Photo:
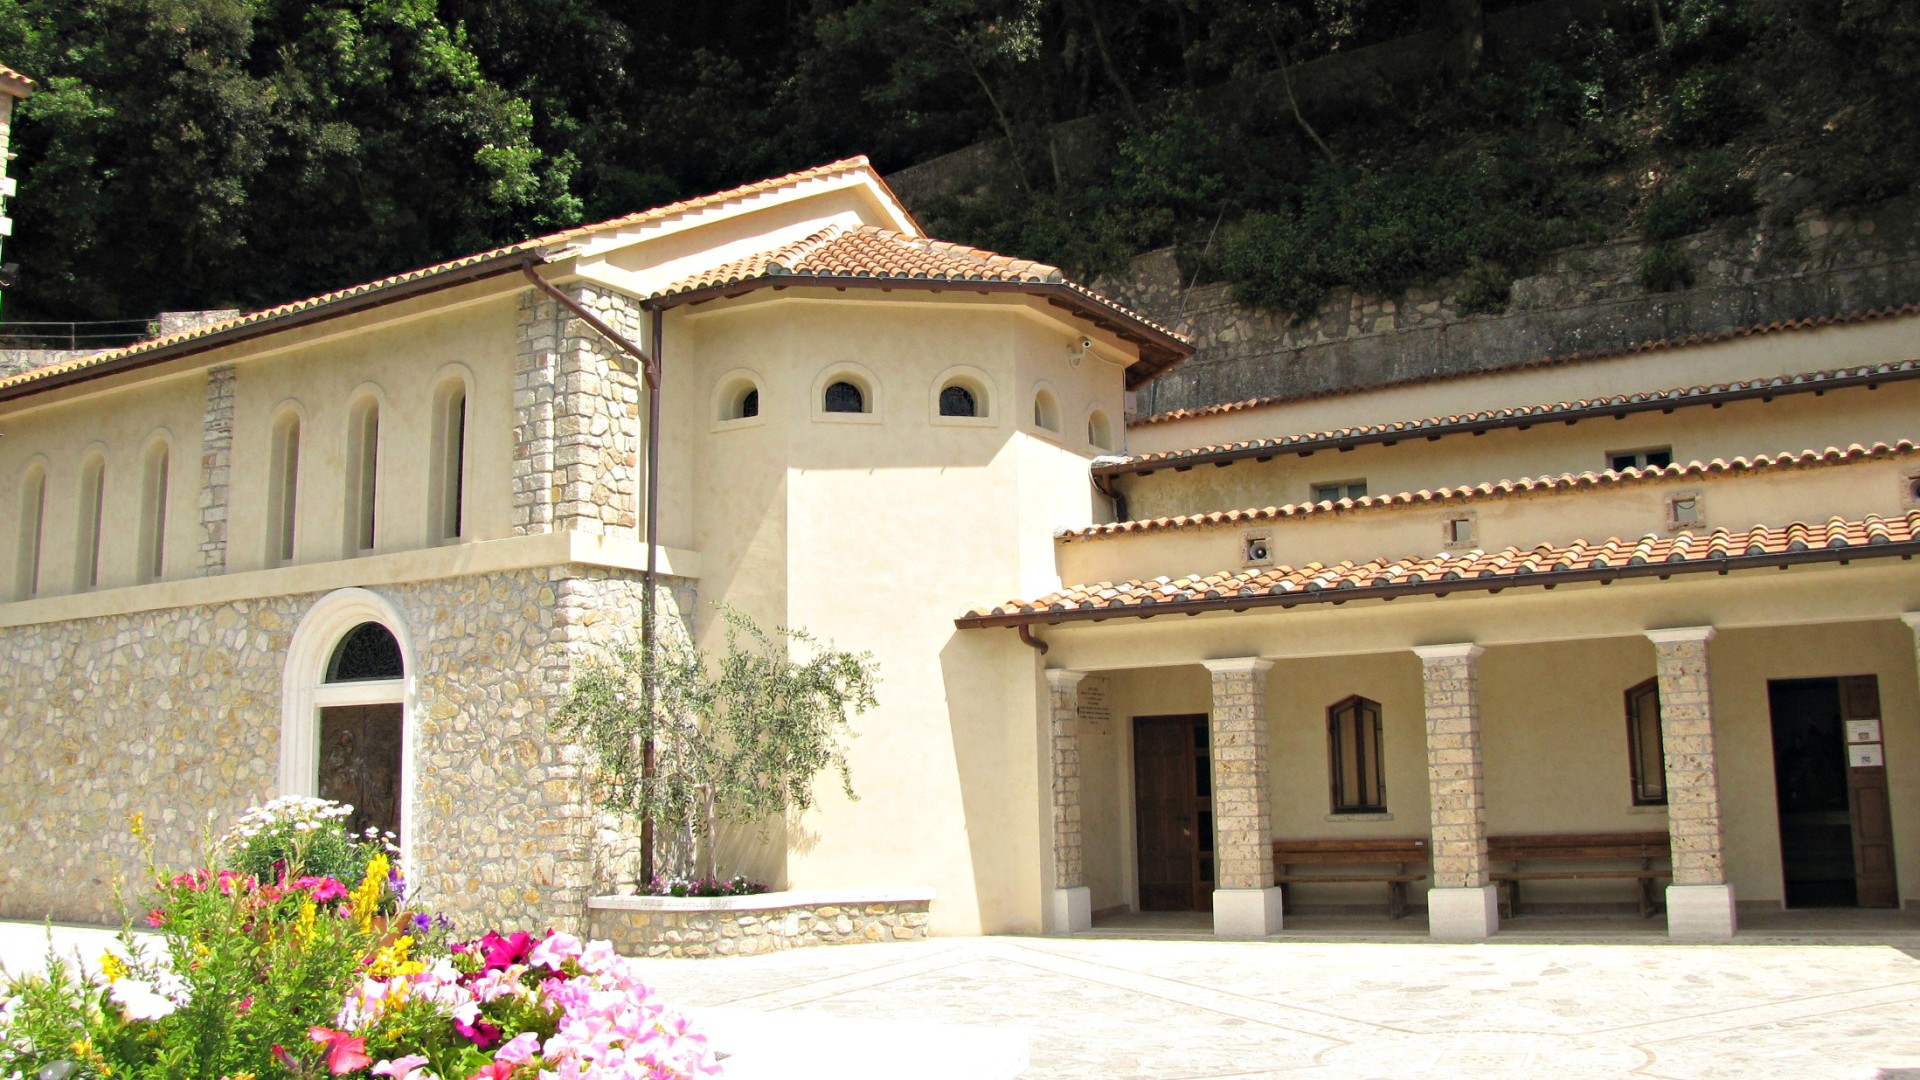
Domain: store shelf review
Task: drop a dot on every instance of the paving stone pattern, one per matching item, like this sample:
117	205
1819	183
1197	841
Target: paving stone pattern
748	933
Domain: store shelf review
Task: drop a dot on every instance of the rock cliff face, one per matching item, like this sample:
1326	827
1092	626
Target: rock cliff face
1586	299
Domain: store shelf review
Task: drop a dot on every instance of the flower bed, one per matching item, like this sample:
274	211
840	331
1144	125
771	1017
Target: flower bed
768	922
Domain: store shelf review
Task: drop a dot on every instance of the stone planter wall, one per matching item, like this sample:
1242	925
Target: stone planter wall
748	925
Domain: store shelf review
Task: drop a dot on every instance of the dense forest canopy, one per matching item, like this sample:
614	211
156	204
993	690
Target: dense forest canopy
204	153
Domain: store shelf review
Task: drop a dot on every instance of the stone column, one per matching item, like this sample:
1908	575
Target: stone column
1699	902
1072	903
1463	904
216	469
1246	903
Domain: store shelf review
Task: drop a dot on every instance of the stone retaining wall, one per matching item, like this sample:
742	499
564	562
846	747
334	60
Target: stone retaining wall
749	925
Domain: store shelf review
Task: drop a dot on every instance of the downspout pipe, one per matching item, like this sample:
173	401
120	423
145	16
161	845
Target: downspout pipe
649	365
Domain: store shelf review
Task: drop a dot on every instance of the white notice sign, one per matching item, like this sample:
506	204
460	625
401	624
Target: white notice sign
1865	757
1859	731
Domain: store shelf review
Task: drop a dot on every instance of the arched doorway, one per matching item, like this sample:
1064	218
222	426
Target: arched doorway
347	706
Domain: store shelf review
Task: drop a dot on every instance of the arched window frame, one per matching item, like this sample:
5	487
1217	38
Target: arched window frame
304	691
863	379
975	382
30	550
729	391
1365	791
283	484
89	513
1100	431
1045	410
450	486
156	501
360	506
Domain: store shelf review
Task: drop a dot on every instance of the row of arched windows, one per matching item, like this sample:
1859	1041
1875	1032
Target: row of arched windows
446	476
156	481
962	394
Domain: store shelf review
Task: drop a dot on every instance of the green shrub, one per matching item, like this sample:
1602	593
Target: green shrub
1665	268
295	836
1487	289
1705	108
1695	197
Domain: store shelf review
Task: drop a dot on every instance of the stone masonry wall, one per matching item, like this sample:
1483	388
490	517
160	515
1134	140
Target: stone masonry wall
1585	299
1454	771
1242	806
751	932
176	714
1063	689
1693	778
578	430
216	469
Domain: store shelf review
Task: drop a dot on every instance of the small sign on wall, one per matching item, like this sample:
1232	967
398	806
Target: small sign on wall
1863	731
1865	756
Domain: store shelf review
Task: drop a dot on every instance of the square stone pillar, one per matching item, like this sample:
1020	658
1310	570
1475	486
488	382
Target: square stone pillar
1246	903
1463	904
1699	902
1072	906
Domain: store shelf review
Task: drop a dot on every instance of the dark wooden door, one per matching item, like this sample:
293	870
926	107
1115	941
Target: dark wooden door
1173	812
360	763
1871	812
1810	781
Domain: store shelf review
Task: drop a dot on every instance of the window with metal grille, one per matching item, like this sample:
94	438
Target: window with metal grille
1353	750
367	652
958	401
1646	750
844	397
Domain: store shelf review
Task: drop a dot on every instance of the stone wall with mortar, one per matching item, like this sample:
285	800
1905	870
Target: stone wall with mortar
1585	299
577	403
15	361
176	714
749	931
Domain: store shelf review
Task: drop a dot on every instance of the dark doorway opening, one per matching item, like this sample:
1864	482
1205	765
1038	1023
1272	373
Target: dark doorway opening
360	764
1173	812
1836	824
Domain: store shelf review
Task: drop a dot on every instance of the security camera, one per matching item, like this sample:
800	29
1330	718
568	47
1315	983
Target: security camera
1086	343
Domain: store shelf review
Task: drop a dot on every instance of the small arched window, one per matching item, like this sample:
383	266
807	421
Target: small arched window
33	521
449	480
367	653
957	400
1046	411
750	403
363	475
1354	757
154	482
1099	430
844	397
283	489
93	493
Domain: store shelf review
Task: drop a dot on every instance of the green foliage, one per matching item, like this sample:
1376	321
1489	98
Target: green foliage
296	836
1665	268
1702	192
740	739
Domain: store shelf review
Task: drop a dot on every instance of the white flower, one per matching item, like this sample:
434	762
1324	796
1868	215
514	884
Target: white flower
139	1001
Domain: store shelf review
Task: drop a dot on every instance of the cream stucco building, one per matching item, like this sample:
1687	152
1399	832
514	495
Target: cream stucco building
358	545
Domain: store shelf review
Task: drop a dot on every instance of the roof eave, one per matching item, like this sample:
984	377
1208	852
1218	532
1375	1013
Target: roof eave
1159	350
490	266
1905	549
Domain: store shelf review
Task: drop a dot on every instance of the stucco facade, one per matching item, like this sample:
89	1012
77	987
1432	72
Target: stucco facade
459	457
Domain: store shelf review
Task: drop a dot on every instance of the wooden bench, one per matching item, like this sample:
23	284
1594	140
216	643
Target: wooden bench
1643	849
1402	855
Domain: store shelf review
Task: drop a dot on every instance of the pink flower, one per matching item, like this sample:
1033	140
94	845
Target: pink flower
498	952
519	1049
156	918
554	950
499	1070
401	1068
345	1052
322	889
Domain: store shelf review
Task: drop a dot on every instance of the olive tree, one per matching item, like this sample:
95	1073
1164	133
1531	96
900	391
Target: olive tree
741	736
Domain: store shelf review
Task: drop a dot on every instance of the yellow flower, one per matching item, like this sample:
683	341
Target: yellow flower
393	959
113	967
138	823
366	895
303	924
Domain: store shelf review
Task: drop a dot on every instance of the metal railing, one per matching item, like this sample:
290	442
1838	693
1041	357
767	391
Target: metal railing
75	336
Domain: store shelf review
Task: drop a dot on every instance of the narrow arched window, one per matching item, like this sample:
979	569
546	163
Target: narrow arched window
93	494
844	397
1046	411
33	520
957	400
155	480
750	404
1099	430
283	489
449	481
363	475
1354	757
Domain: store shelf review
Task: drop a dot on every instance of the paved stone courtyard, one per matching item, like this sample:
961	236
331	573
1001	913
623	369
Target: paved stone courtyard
1583	1000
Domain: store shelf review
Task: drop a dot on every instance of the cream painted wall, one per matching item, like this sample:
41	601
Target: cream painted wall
1786	425
1761	356
402	365
61	437
1627	510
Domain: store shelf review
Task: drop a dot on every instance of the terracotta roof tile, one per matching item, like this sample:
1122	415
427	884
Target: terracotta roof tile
16	83
1835	540
1519	416
1500	489
1655	345
531	247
